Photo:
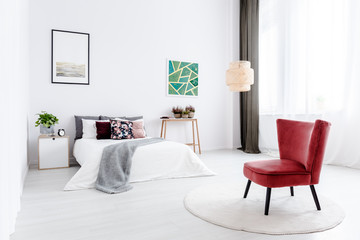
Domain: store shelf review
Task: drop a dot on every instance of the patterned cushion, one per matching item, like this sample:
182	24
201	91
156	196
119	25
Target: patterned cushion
134	119
121	129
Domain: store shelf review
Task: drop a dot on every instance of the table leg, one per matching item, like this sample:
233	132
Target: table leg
165	129
198	138
193	132
162	127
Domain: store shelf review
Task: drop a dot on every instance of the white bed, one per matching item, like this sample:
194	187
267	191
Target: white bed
150	162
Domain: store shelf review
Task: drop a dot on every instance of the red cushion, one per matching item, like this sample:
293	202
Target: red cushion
277	173
103	130
276	167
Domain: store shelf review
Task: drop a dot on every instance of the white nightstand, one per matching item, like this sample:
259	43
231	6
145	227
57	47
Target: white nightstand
53	152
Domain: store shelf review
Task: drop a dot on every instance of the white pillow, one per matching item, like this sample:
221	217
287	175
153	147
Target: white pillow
89	128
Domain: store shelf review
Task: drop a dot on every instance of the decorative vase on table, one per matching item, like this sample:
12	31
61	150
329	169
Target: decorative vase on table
177	111
191	110
185	114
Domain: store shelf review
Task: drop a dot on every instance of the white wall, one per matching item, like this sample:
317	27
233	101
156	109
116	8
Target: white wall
130	42
14	64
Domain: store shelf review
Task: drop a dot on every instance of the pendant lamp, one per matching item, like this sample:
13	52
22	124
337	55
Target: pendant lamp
240	76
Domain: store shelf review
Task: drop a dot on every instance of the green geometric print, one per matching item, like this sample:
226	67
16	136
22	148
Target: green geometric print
183	78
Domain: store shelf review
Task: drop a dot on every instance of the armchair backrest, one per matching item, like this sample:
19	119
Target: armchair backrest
317	147
303	142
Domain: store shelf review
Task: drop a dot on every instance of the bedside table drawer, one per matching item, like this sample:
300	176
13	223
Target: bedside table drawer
53	152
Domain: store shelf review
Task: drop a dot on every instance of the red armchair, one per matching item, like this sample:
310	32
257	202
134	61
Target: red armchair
302	147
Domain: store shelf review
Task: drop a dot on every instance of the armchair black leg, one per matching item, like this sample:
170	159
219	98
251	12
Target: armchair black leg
315	197
292	191
247	188
267	203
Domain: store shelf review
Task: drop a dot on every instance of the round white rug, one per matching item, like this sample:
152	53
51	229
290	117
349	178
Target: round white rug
224	205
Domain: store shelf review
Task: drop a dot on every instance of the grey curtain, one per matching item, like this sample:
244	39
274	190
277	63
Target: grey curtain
249	50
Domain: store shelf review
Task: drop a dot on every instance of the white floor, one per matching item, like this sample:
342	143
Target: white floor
154	210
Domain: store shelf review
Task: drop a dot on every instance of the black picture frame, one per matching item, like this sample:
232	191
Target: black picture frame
77	46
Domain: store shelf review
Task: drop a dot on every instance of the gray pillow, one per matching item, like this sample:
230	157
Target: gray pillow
109	118
79	125
134	118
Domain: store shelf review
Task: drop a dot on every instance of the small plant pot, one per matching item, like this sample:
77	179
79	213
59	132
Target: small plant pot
185	115
177	115
47	130
191	114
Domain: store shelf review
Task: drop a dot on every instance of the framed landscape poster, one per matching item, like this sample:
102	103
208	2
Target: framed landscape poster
182	78
70	57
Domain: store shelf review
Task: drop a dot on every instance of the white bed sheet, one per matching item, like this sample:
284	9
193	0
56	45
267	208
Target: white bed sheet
150	162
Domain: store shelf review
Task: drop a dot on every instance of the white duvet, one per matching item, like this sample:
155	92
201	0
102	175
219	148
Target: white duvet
150	162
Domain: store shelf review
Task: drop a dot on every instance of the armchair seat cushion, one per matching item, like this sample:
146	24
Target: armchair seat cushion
277	173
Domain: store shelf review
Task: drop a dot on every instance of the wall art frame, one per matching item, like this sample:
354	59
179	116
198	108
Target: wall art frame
182	78
70	57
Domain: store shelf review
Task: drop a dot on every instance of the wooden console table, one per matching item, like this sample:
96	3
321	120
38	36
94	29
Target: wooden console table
193	122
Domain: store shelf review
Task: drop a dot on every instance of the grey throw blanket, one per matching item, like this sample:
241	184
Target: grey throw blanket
115	165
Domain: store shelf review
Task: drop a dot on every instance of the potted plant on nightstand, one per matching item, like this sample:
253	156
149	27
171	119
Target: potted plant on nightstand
177	111
46	121
191	110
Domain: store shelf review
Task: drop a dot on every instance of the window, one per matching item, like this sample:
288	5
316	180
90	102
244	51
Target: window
302	52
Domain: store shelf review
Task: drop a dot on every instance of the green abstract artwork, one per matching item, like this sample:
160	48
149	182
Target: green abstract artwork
183	78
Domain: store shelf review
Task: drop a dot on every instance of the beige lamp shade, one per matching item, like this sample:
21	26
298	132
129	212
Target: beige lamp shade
240	76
